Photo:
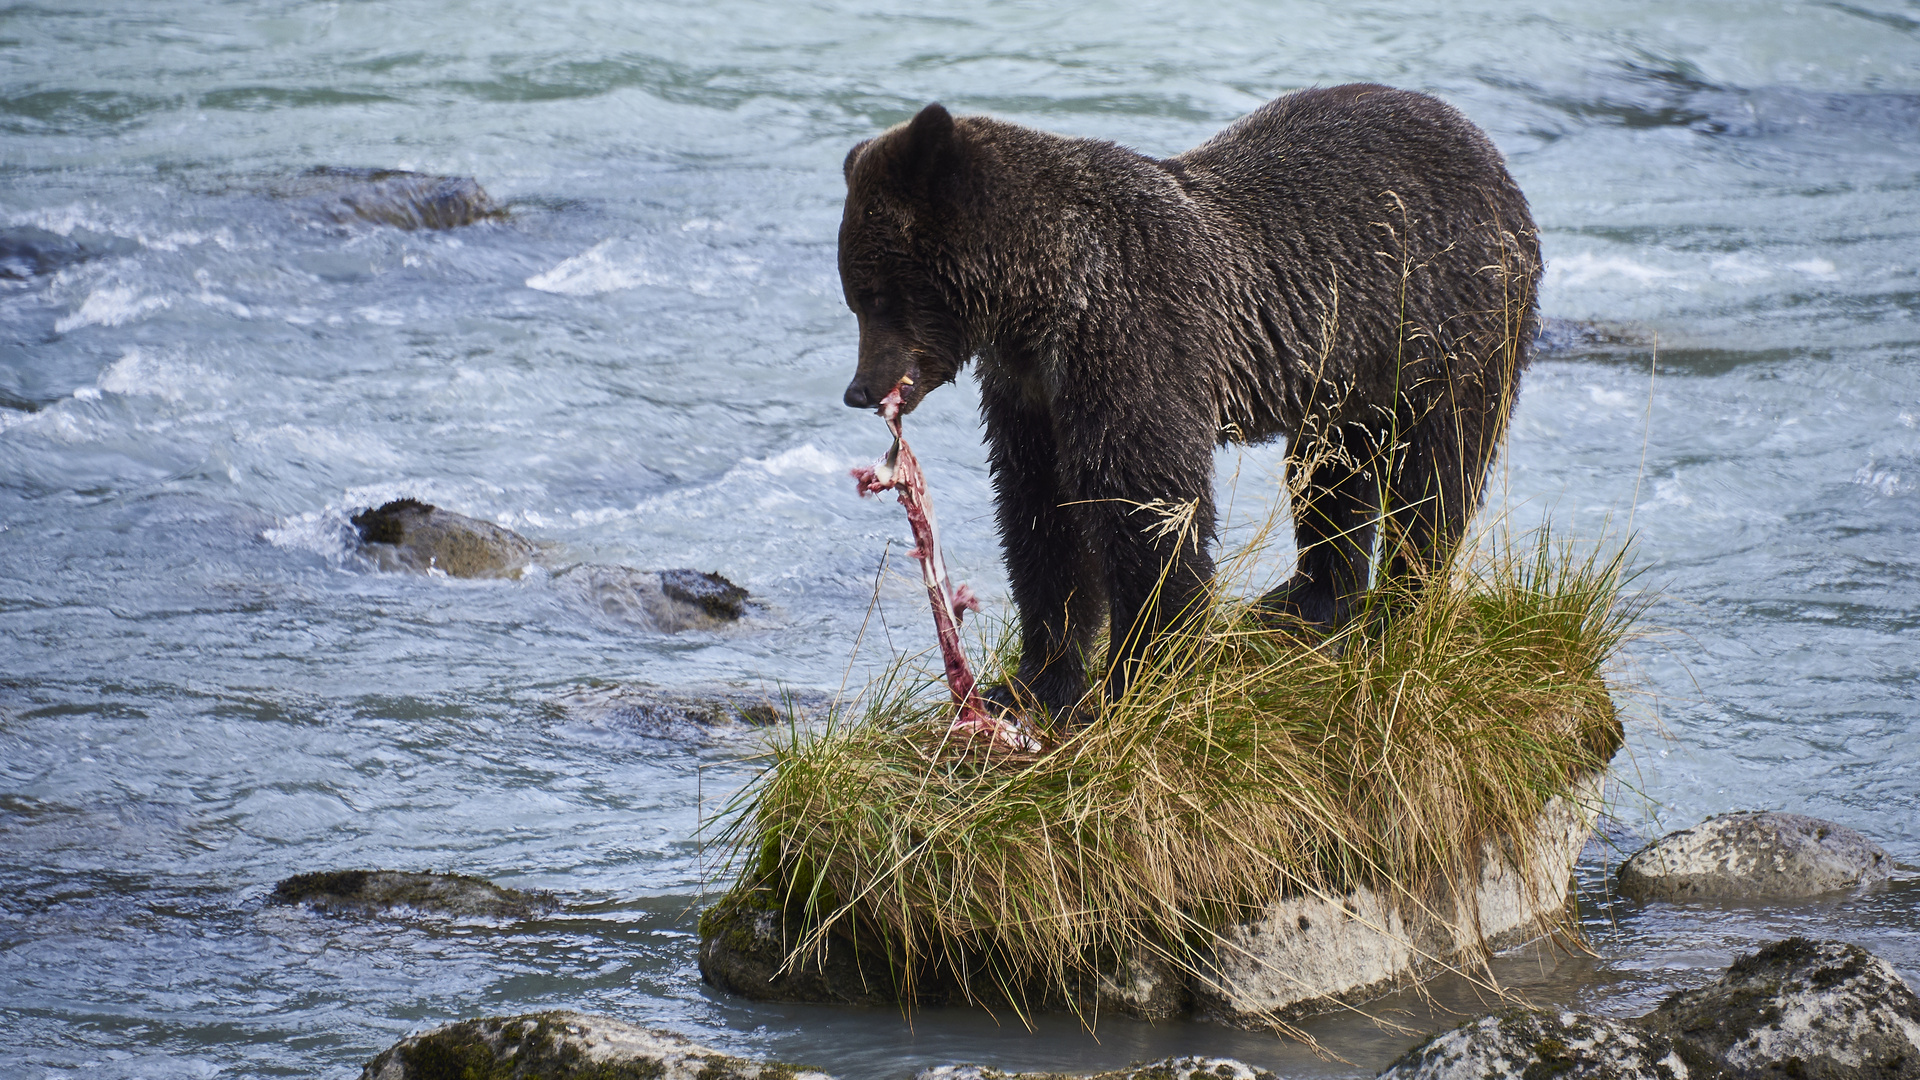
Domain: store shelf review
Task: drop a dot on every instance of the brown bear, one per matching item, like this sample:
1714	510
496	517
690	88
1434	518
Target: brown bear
1352	268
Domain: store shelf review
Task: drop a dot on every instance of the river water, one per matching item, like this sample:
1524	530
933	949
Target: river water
202	690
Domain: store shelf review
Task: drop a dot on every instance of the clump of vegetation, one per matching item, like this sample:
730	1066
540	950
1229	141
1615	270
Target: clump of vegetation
1244	764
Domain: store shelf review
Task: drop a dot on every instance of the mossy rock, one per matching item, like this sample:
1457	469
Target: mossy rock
1537	1044
1809	1010
563	1045
411	536
377	892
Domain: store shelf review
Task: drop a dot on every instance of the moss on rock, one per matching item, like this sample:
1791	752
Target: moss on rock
563	1045
375	892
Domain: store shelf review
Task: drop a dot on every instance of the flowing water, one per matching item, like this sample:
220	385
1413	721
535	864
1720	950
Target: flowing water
204	372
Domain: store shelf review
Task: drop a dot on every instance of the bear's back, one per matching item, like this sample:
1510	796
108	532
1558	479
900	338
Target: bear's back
1301	170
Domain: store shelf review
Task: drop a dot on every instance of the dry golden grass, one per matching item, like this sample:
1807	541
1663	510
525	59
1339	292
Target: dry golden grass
1242	766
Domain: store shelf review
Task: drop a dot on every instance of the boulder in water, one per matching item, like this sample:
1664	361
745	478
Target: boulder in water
564	1045
379	892
1562	337
409	535
666	600
1540	1043
688	713
28	252
719	598
405	200
1810	1010
1753	856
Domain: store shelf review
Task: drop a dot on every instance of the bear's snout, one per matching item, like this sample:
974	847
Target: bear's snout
859	397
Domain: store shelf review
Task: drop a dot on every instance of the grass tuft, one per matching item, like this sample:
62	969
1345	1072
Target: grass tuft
1242	766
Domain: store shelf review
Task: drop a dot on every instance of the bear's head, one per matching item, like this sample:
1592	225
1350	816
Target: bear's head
901	256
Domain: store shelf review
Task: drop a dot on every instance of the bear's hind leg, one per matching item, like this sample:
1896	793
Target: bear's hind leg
1435	488
1335	501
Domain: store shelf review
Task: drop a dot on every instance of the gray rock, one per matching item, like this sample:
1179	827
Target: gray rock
685	713
409	535
1752	856
1809	1010
405	200
1181	1068
562	1044
668	601
28	251
380	892
1562	1045
719	598
1562	337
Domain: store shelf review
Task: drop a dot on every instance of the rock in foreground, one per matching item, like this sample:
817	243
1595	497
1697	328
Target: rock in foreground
1820	1010
1753	856
1534	1043
376	892
563	1046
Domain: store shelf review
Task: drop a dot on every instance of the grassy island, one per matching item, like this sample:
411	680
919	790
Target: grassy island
1244	767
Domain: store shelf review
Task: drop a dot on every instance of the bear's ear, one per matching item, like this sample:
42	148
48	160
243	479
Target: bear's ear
853	155
930	131
930	152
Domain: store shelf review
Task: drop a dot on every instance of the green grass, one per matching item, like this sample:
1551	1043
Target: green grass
1242	766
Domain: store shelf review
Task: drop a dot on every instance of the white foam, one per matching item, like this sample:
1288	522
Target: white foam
1738	268
751	474
138	372
805	458
111	305
1583	267
1884	482
596	271
1816	268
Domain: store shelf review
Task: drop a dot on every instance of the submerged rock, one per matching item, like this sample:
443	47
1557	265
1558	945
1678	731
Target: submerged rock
405	200
669	601
412	536
29	252
1304	955
562	1045
1558	337
376	892
1753	856
409	535
1818	1010
685	713
1561	1045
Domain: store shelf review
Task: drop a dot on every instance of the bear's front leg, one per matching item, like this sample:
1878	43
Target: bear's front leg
1052	570
1140	464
